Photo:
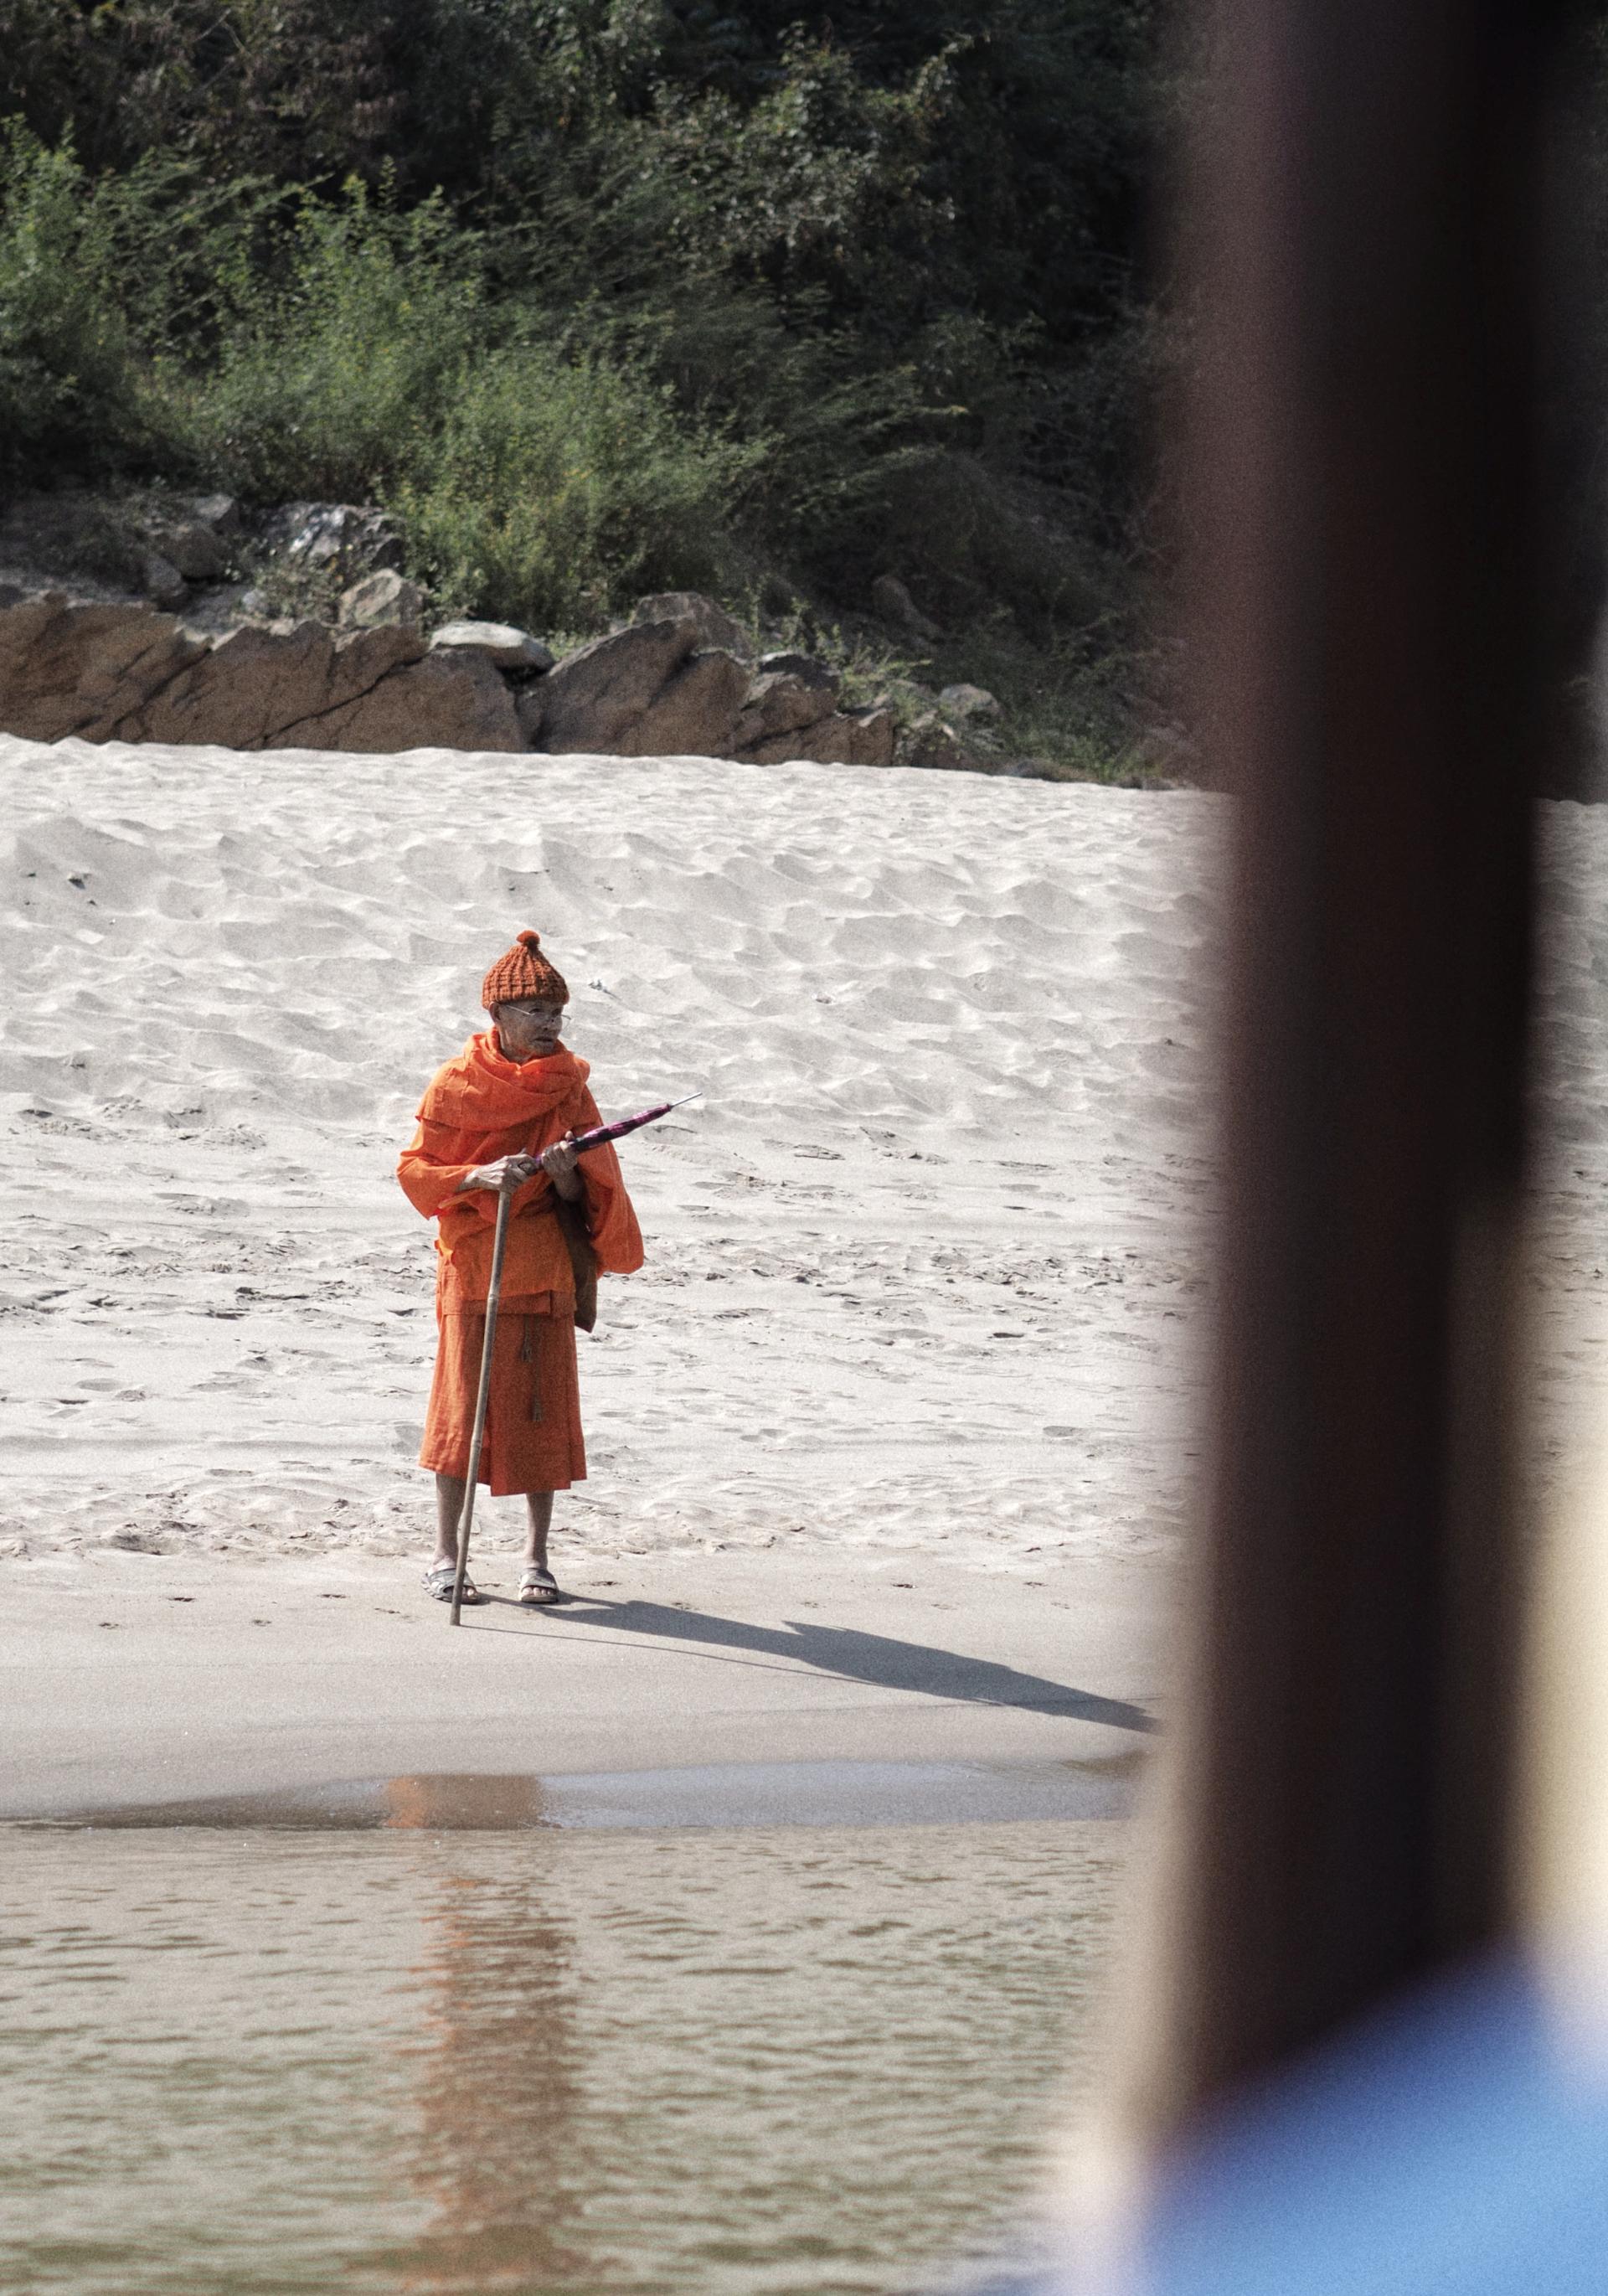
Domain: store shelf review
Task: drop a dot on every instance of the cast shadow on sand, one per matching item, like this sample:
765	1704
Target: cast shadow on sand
855	1656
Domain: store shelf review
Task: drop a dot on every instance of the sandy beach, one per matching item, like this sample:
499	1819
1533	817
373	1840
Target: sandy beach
924	1316
920	1265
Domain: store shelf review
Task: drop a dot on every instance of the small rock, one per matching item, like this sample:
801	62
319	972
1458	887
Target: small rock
193	548
381	598
256	602
221	512
500	643
161	579
894	603
969	701
714	627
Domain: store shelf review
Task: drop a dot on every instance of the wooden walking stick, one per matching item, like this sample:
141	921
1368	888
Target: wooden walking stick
493	1294
595	1138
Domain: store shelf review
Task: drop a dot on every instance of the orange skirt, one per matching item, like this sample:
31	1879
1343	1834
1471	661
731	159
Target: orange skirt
533	1434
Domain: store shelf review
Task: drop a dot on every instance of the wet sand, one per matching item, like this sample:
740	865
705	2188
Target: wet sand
131	1679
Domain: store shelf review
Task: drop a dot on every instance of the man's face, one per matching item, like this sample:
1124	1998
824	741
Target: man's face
531	1029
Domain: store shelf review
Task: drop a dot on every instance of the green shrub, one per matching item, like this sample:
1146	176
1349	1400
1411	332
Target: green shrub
558	488
69	387
338	360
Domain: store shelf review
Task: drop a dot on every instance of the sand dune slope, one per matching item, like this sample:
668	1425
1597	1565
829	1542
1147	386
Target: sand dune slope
923	1265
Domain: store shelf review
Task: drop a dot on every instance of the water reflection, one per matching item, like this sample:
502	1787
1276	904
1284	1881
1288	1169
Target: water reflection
453	1801
500	2153
410	2054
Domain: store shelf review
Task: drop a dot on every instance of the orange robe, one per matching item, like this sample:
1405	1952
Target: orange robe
478	1107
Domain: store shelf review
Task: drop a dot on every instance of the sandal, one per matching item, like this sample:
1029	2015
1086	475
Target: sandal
537	1587
438	1582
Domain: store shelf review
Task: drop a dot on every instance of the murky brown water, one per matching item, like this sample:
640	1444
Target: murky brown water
772	2062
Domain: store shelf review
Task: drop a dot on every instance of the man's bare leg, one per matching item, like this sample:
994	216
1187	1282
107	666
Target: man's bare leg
449	1511
538	1507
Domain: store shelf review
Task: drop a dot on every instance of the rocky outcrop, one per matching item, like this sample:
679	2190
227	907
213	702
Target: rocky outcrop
695	712
790	693
67	668
192	547
648	690
844	737
123	671
126	673
440	703
718	630
595	695
257	689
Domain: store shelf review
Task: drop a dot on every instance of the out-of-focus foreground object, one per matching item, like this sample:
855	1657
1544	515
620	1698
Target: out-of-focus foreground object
1338	2077
1364	621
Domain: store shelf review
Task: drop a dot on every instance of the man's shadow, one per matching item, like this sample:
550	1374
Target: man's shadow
855	1656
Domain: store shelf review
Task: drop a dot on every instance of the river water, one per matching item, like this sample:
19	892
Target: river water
757	2060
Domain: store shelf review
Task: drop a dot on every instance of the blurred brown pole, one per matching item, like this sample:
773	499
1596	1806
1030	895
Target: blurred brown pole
1370	656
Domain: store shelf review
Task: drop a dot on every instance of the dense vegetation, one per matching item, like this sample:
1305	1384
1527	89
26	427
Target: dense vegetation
611	295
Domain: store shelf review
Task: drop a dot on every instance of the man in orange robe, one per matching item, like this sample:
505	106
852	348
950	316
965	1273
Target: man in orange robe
509	1104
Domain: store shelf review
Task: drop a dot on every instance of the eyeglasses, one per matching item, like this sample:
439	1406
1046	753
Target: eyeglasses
551	1016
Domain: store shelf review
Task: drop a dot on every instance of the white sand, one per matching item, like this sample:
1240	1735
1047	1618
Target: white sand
925	1268
922	1268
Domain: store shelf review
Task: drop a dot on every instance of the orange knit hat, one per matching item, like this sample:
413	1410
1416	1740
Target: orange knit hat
524	971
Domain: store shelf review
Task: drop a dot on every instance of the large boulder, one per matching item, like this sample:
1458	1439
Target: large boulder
717	630
592	702
446	701
847	737
259	688
498	642
82	669
782	699
695	715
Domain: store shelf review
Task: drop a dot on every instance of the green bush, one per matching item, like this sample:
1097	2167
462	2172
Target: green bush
69	385
558	488
338	361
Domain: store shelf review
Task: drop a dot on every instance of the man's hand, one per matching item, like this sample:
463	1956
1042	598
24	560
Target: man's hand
559	1163
511	1171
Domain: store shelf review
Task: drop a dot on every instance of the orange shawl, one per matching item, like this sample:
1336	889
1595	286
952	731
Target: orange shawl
483	1105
